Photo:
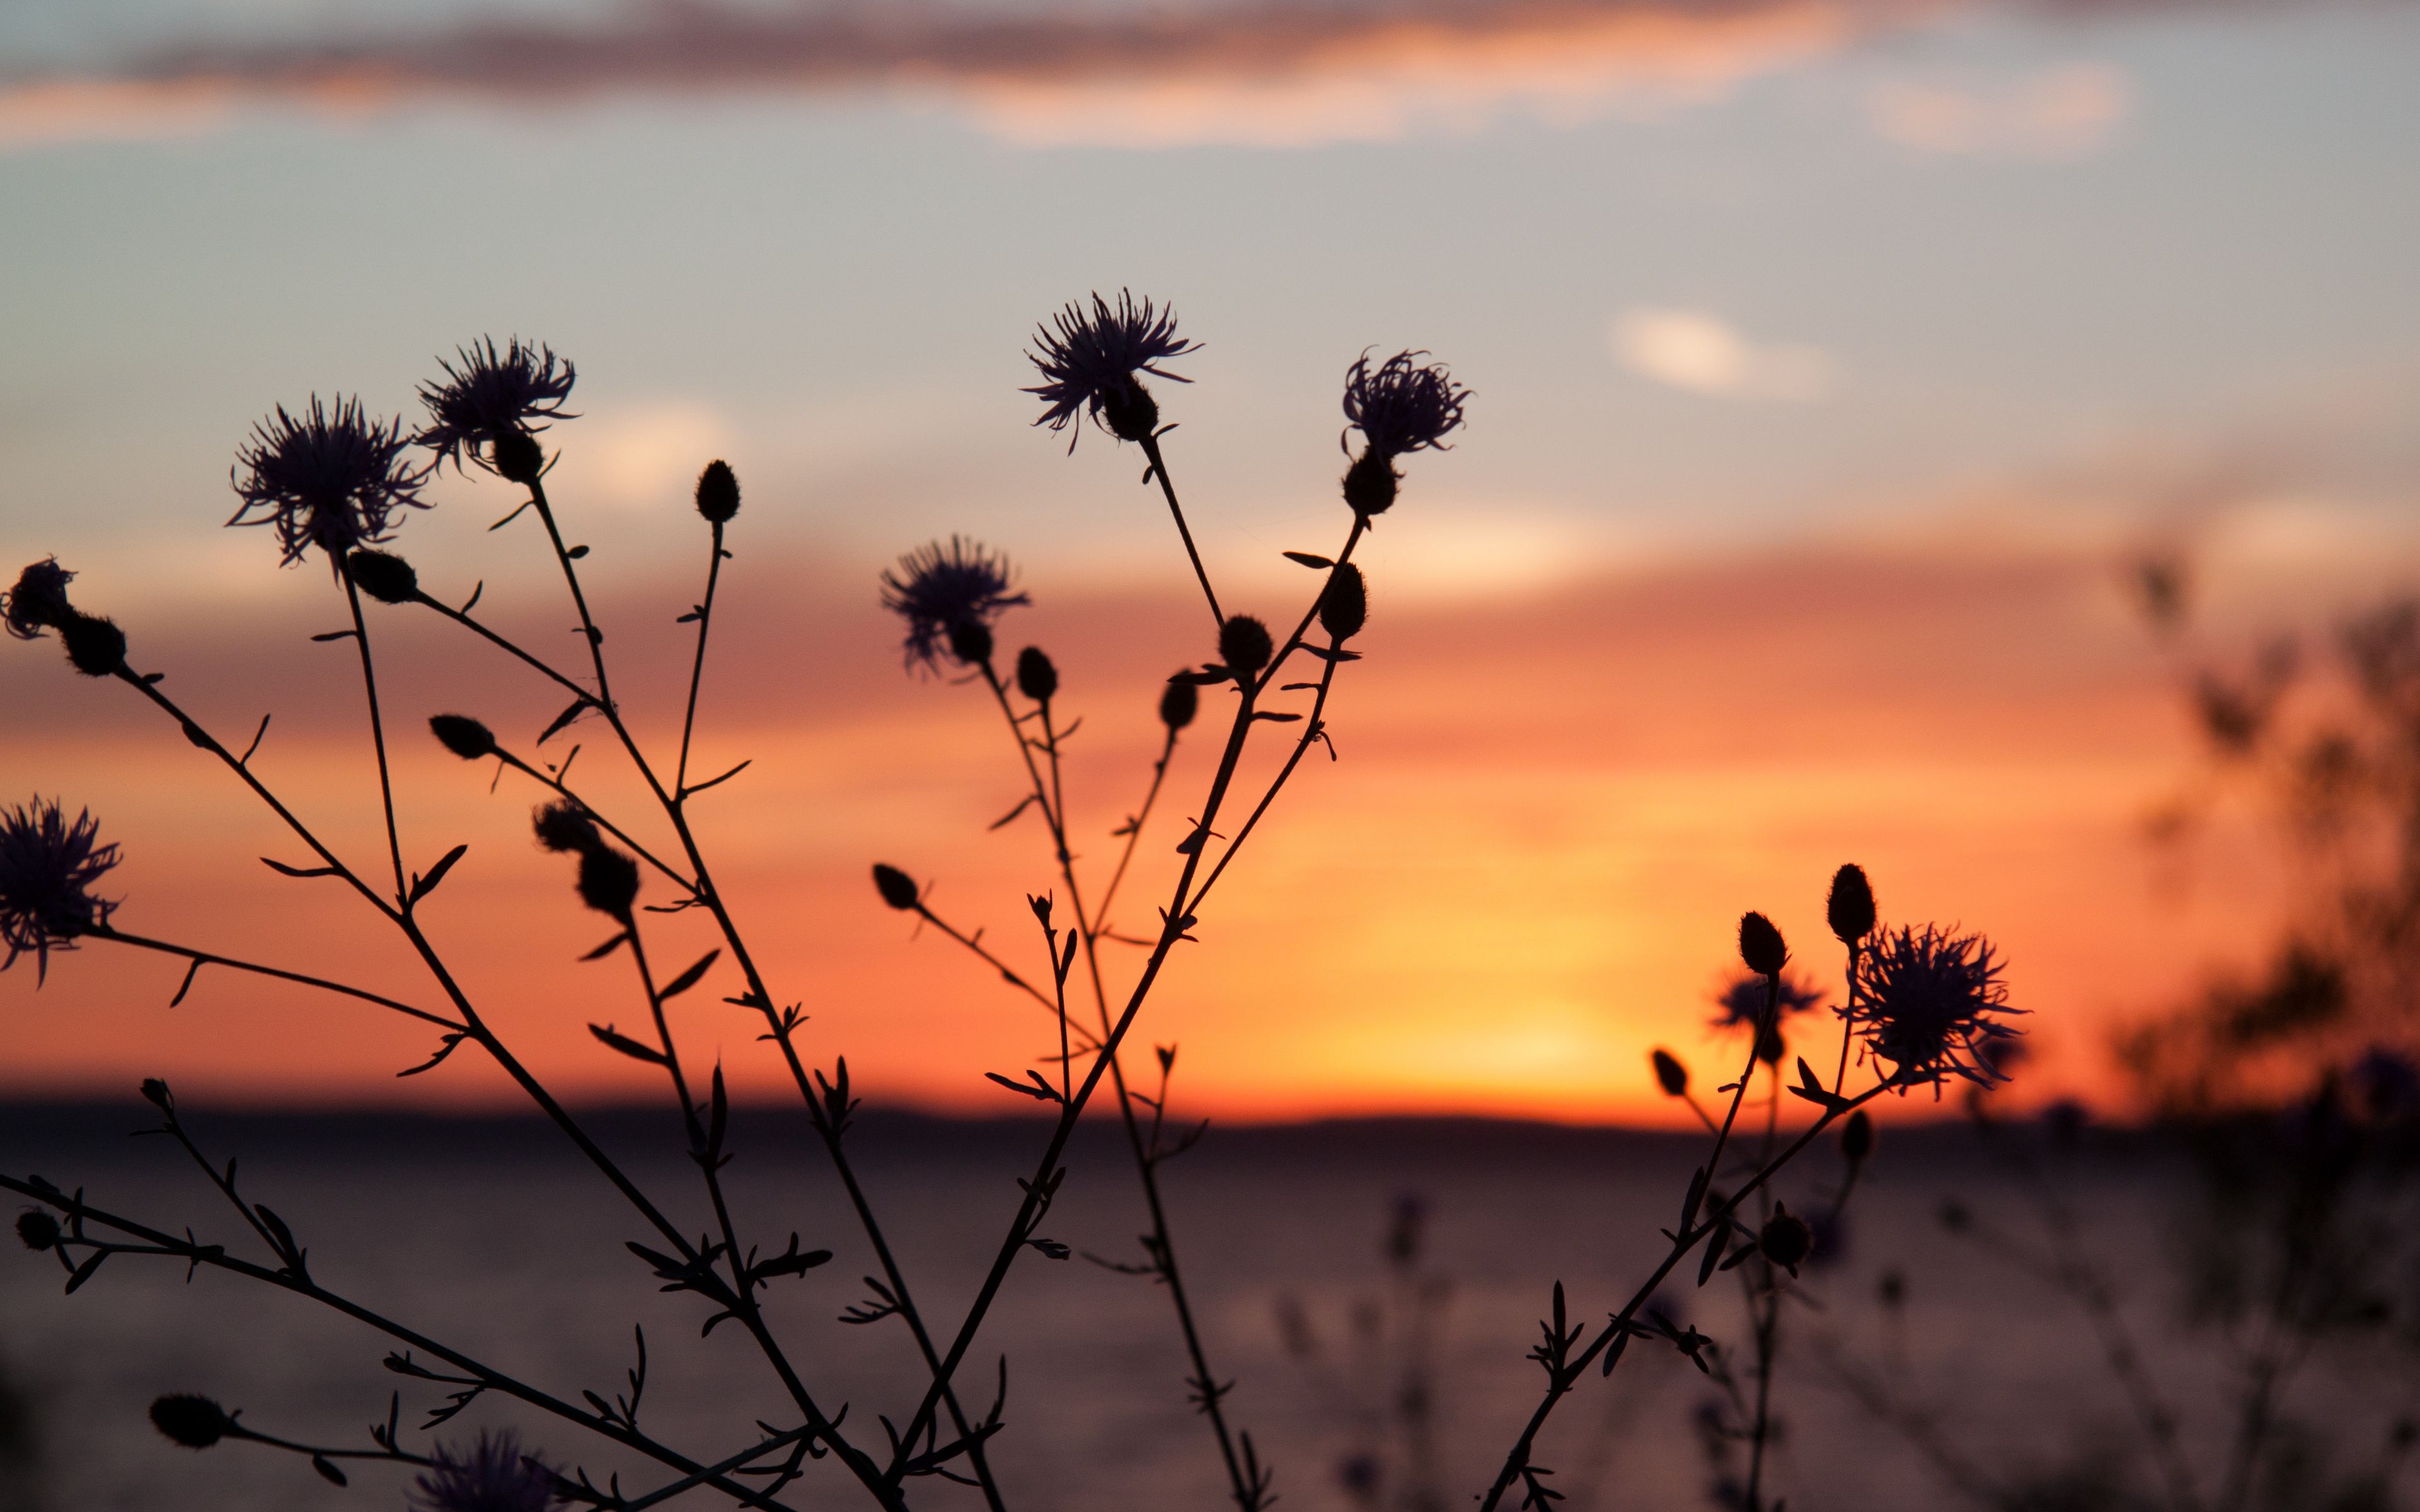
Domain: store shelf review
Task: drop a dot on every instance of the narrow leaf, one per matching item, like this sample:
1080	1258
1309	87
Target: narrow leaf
628	1046
187	985
605	949
579	706
283	869
718	781
687	978
1309	558
334	635
1044	1095
427	884
434	1061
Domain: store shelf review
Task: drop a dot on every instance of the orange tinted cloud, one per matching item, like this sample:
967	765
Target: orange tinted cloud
1521	876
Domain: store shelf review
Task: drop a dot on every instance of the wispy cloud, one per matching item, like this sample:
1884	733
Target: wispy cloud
1271	71
1702	353
2064	112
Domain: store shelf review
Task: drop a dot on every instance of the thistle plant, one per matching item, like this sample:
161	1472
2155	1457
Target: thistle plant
331	481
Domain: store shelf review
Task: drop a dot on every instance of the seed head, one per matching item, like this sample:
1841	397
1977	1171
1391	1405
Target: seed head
1669	1073
1786	1239
1179	701
465	737
49	864
491	1476
563	828
383	576
718	492
1035	677
946	595
1761	945
1929	1003
328	477
1244	645
1851	907
494	395
96	646
609	881
195	1422
897	887
39	600
1345	603
39	1229
1092	361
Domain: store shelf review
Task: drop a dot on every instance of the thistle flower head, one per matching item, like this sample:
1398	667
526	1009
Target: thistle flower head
1740	1004
39	1229
39	600
1036	677
1928	1002
718	493
943	593
1850	906
1401	406
1090	363
493	1475
491	395
328	477
1760	944
195	1422
48	865
1179	701
1244	645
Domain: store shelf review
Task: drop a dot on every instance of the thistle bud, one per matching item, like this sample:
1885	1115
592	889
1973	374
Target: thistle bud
1857	1138
970	642
1035	677
96	646
1345	603
561	828
1770	1045
1760	944
1244	645
195	1422
1129	410
383	576
1370	484
1786	1239
1851	907
39	1229
1178	703
464	736
609	881
155	1092
897	887
718	492
1669	1073
517	457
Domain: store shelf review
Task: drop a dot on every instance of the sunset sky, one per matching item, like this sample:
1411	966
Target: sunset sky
1831	359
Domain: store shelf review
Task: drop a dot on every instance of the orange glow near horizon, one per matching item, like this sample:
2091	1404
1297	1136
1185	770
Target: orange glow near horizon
1521	876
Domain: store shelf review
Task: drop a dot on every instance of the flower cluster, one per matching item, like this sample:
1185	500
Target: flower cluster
493	398
1928	1002
493	1475
1090	363
48	865
949	596
333	478
609	880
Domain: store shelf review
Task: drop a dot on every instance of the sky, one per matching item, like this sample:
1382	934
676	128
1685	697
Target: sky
1830	360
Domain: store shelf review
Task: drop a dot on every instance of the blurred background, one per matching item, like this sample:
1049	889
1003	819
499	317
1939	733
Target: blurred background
1976	441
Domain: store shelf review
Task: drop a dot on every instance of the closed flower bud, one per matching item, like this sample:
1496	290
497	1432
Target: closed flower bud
718	492
39	1229
1669	1073
561	828
96	646
1130	411
609	881
1244	645
155	1092
517	457
1857	1138
1761	945
1178	703
383	576
1370	484
1851	907
1035	677
464	736
897	887
970	642
1786	1239
195	1422
1770	1045
1345	603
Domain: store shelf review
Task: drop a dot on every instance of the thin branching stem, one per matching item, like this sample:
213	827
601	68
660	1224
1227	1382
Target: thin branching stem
209	958
1167	490
697	667
377	738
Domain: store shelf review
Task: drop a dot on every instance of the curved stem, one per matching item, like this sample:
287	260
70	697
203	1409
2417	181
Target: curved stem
1167	490
208	958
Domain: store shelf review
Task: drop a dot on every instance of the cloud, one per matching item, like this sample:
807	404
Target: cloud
2065	111
647	456
1264	71
1692	351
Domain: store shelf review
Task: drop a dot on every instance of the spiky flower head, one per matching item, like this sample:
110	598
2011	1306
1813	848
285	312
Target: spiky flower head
945	593
48	865
1401	406
1740	1004
1928	1002
1091	362
39	600
328	477
493	1475
494	395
